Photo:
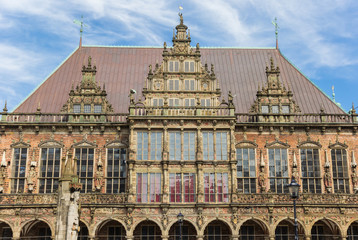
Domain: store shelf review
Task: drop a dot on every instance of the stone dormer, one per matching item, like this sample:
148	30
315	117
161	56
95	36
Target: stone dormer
181	81
88	97
273	100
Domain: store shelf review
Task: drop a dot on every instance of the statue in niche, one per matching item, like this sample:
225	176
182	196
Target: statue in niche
31	178
327	180
355	181
99	177
261	181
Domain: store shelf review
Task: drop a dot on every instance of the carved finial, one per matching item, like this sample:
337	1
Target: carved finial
80	23
271	64
294	160
5	108
197	47
354	164
38	107
150	69
206	67
262	162
321	109
326	165
353	111
165	45
89	61
3	159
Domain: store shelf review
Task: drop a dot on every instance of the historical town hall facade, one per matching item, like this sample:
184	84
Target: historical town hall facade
119	140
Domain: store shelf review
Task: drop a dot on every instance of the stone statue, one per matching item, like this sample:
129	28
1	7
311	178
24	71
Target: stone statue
31	178
328	180
99	177
261	181
355	181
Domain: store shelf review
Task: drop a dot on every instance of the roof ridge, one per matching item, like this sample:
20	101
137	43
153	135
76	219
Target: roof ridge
201	47
309	80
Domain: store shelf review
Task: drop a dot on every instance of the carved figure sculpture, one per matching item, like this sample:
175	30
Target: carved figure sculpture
31	178
355	181
261	181
99	177
328	180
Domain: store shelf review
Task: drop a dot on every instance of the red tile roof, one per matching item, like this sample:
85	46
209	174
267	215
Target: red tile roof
125	68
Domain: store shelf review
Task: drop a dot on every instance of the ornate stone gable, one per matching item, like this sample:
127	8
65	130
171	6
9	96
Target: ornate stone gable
20	144
338	145
273	98
87	97
246	144
181	80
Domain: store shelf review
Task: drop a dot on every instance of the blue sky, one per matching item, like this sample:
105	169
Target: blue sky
319	37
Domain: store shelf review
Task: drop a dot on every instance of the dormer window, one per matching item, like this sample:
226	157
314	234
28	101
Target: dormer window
87	108
285	109
97	108
174	85
265	109
205	102
76	108
189	66
174	102
190	102
275	109
157	102
173	66
190	85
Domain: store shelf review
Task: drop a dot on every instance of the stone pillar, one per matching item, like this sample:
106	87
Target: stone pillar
199	237
307	237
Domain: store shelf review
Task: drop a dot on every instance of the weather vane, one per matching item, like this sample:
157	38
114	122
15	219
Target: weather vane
180	8
274	22
80	23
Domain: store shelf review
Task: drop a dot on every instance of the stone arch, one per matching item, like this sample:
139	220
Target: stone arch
255	222
190	230
289	223
352	229
37	227
114	228
189	221
218	224
6	229
330	227
84	229
147	226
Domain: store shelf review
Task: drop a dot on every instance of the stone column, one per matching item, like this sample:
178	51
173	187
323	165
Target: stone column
199	237
307	237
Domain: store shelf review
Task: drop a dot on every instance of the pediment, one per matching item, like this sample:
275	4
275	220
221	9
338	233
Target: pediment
309	144
50	144
277	144
115	144
338	145
246	144
20	144
84	144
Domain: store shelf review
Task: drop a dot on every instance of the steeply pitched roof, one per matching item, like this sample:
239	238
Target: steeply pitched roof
125	68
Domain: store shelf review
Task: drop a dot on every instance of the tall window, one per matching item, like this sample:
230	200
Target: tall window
246	170
208	145
247	232
157	102
278	170
116	170
340	170
85	158
182	187
76	108
87	108
221	146
148	187
174	146
282	233
205	102
216	187
19	170
177	148
310	168
50	169
97	108
214	232
154	147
